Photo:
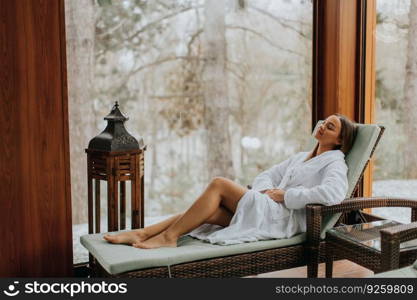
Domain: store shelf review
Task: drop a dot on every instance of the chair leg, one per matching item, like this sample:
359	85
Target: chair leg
329	269
313	264
91	266
312	270
329	261
329	266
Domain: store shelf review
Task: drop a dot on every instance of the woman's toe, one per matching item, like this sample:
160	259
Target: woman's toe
110	238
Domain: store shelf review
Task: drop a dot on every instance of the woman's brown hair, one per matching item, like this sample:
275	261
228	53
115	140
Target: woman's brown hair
347	133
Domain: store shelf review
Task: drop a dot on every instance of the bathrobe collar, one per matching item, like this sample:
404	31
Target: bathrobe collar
325	157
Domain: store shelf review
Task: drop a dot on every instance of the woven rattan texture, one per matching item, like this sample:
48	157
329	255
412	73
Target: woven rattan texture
362	255
366	234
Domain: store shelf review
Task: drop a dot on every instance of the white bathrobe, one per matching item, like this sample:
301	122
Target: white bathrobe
321	179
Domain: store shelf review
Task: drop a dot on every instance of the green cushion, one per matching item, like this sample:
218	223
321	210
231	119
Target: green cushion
356	160
117	259
407	272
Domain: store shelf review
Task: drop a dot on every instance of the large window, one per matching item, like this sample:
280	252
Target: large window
213	87
395	171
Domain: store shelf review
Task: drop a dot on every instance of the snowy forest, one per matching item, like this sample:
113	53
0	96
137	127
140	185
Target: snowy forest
215	88
222	88
395	172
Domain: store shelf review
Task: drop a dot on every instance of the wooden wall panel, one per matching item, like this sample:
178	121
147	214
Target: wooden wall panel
343	66
370	81
35	207
347	79
335	55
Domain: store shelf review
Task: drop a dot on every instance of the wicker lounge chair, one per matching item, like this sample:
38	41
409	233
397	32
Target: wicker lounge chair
195	258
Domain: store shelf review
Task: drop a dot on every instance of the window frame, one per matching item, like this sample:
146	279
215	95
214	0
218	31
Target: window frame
344	65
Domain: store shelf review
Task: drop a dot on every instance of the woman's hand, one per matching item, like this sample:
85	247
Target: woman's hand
276	194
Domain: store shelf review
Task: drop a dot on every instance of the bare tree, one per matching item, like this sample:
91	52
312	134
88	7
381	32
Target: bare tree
410	92
199	83
215	90
80	68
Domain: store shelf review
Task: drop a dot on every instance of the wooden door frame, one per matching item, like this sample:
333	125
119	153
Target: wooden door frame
35	195
344	64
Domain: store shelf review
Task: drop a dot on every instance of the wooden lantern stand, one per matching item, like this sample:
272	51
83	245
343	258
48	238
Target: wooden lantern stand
116	157
116	168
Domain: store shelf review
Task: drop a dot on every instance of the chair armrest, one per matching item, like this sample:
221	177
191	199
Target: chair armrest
314	220
312	247
402	233
391	238
352	204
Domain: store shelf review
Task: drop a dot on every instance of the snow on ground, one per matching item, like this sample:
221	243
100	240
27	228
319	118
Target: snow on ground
385	188
395	188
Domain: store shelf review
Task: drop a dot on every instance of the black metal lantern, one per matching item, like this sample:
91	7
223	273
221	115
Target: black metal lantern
115	136
116	157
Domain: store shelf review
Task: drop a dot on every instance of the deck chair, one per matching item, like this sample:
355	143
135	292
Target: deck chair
194	258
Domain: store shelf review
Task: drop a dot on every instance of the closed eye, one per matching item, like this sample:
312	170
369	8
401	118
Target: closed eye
329	125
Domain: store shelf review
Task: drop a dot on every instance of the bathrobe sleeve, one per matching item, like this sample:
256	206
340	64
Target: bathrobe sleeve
272	177
331	191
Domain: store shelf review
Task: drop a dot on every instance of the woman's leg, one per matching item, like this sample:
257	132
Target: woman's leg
221	216
220	191
140	235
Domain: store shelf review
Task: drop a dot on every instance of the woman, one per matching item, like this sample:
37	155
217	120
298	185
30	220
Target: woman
228	213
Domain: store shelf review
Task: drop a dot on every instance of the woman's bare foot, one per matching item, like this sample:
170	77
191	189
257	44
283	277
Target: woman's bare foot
158	241
128	237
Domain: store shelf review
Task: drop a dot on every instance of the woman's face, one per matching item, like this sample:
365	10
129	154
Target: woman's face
329	131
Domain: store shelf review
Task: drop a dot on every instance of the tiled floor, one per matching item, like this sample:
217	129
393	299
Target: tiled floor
342	268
